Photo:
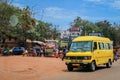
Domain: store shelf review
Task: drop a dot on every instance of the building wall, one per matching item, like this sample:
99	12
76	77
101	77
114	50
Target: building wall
9	43
65	34
74	32
71	33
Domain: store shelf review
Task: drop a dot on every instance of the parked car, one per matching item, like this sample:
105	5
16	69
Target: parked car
17	50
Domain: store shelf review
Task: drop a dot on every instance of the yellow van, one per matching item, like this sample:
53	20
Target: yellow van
89	52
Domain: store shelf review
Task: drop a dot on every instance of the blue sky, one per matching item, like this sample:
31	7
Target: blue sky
63	12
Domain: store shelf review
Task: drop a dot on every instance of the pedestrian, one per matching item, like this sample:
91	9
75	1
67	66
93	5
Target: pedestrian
30	51
64	52
25	53
56	52
115	55
38	51
34	51
6	51
44	51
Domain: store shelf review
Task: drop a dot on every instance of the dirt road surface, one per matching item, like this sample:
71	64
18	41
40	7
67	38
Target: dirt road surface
48	68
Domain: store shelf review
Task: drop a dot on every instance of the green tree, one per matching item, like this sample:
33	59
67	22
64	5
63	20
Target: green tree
55	32
110	30
85	25
26	22
115	34
6	11
105	27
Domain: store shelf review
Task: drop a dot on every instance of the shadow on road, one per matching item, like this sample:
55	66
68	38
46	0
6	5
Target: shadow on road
85	69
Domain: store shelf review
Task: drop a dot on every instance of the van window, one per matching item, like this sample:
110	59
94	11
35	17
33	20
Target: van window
101	45
81	46
108	46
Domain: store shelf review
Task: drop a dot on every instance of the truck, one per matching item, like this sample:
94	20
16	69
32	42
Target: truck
50	46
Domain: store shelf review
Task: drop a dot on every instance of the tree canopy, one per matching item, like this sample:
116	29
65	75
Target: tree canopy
105	27
19	24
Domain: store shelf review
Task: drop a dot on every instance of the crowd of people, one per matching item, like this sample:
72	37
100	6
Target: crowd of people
38	50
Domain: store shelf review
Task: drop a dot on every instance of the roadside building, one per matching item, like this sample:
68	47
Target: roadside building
68	35
65	34
74	32
71	33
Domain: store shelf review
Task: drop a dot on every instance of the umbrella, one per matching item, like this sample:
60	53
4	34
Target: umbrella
39	42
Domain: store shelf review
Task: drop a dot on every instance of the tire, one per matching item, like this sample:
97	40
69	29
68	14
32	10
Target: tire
92	66
109	64
70	68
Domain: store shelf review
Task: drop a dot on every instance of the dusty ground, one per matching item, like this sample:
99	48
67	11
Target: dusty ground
30	68
49	68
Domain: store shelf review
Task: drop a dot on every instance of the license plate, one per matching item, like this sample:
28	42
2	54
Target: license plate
75	64
74	61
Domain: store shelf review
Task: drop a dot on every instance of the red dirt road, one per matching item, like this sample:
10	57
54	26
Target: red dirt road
30	68
47	68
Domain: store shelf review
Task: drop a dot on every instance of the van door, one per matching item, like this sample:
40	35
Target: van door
109	52
96	52
101	52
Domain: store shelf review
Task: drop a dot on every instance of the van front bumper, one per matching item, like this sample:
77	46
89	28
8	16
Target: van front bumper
77	64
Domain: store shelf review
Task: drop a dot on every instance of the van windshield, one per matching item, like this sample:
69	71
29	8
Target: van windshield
81	46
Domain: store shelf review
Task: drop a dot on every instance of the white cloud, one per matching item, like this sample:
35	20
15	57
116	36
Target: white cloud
60	13
19	5
96	1
116	4
64	17
54	9
112	3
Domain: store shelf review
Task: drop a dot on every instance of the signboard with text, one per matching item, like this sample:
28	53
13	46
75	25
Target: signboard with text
95	34
74	29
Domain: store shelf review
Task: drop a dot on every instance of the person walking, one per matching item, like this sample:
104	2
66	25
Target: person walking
38	51
44	51
64	52
34	52
115	55
56	53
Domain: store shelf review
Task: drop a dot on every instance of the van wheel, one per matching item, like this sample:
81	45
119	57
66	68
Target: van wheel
92	66
70	68
109	64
